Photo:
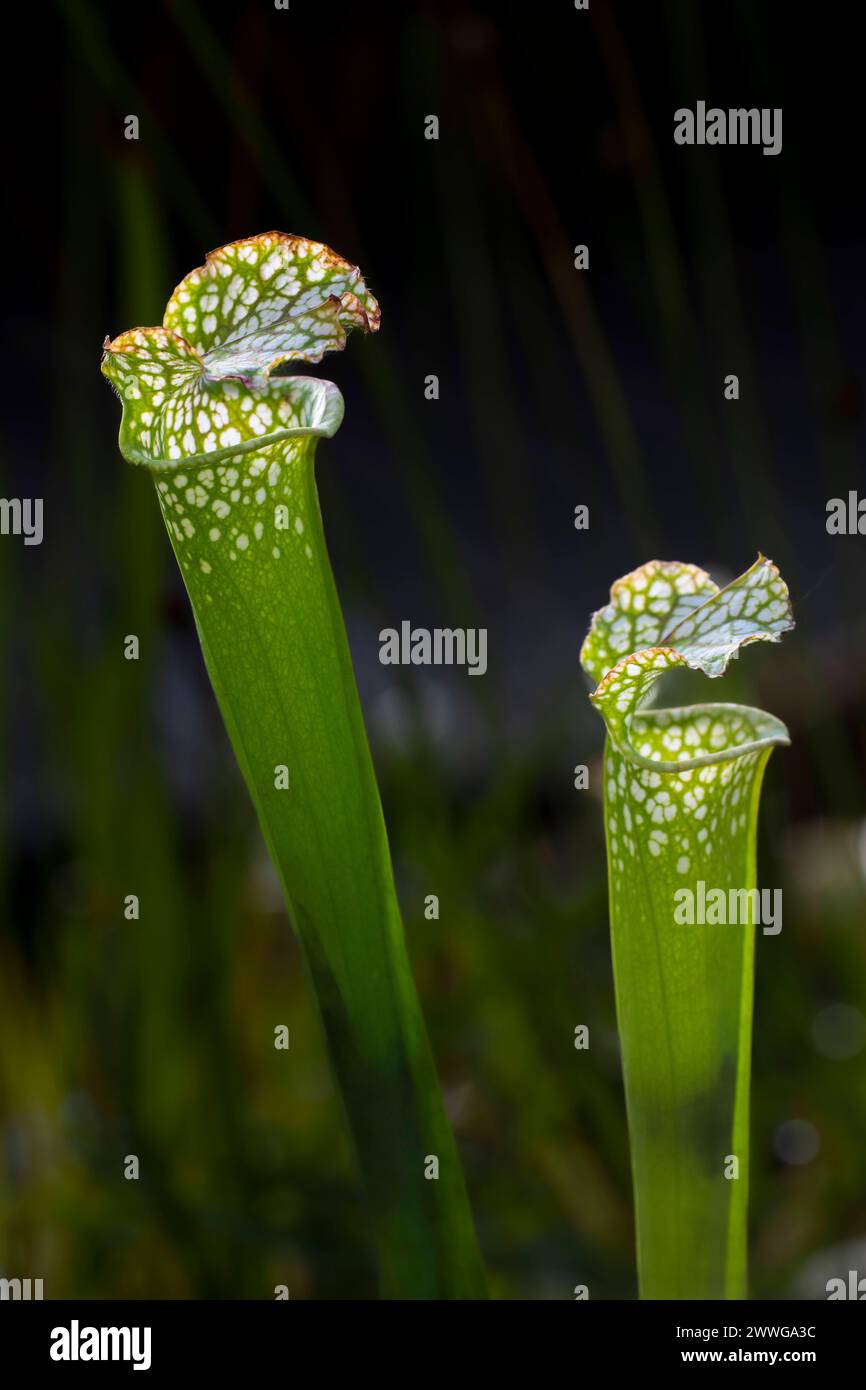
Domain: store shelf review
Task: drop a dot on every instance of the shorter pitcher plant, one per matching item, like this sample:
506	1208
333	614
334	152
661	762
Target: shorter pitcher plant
681	795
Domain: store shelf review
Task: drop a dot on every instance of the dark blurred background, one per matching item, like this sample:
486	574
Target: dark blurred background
557	387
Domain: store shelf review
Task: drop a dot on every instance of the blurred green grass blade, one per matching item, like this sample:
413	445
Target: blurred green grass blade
723	307
682	788
512	152
383	373
231	447
94	51
7	579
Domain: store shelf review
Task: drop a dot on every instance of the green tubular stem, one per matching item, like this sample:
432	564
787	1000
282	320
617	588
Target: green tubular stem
684	1011
275	645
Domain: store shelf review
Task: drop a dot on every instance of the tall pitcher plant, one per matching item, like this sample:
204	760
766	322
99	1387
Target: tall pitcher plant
229	442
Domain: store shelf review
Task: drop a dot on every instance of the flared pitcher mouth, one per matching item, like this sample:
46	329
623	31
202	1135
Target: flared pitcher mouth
209	383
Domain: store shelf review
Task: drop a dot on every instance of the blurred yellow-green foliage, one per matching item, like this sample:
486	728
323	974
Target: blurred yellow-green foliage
154	1036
